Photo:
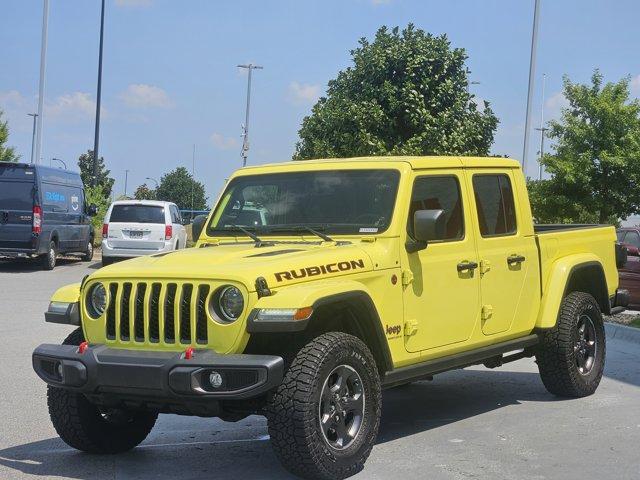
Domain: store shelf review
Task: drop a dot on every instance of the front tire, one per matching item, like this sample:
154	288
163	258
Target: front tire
85	426
324	417
571	356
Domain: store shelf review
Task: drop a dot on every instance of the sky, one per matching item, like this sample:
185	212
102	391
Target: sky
170	76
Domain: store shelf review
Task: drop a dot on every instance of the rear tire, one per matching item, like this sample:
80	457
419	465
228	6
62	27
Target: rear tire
88	253
322	427
571	356
48	260
84	426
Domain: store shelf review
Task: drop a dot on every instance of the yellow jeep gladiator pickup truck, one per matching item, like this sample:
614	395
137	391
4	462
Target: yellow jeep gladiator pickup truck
315	285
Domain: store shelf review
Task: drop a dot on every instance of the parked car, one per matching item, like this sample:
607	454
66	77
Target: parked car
43	213
369	273
629	272
133	228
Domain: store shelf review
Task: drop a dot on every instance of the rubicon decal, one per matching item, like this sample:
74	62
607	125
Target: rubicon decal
320	270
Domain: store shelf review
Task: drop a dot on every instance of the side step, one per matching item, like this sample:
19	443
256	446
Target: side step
460	360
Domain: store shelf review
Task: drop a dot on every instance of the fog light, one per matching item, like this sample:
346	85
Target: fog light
215	379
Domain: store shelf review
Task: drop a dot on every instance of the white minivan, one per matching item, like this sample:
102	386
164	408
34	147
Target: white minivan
141	227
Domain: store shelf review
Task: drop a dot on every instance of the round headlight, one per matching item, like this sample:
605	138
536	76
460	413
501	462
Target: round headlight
97	300
230	303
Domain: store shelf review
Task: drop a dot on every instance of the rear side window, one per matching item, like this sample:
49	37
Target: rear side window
16	196
439	193
632	238
137	214
494	202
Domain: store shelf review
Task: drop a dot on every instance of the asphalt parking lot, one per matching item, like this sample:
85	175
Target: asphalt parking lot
473	423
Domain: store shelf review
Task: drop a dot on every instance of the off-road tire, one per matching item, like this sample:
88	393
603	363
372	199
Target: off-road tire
48	260
82	426
293	411
556	354
87	255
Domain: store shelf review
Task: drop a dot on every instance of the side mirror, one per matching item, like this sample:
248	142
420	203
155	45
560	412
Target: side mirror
428	225
92	210
197	226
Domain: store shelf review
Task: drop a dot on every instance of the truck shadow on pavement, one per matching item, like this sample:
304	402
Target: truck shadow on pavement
407	410
33	265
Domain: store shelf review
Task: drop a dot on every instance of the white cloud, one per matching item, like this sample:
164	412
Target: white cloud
303	93
140	95
76	105
11	98
381	2
554	105
635	85
223	143
133	3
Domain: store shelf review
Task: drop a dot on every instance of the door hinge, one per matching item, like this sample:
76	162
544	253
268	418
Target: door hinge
487	312
407	277
485	266
410	327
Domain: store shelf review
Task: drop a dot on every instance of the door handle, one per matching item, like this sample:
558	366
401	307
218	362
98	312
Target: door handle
515	259
463	266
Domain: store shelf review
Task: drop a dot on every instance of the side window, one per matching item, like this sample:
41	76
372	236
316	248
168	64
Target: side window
439	193
494	202
620	235
632	238
175	215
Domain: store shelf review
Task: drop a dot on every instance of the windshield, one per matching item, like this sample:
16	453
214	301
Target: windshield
339	201
137	214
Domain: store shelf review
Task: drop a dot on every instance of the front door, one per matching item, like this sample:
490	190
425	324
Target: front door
441	282
507	251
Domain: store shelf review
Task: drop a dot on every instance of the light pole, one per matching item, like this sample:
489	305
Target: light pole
245	127
43	67
542	128
532	72
33	135
153	180
96	138
126	177
58	160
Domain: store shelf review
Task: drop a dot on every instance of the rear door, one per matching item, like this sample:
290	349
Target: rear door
17	195
137	226
507	250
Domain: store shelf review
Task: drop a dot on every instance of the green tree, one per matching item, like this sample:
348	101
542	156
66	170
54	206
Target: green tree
595	163
143	192
7	154
85	162
95	196
407	93
177	187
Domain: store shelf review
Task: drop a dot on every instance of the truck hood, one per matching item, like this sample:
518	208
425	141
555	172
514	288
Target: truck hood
280	264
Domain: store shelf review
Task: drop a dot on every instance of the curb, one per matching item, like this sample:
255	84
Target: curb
622	332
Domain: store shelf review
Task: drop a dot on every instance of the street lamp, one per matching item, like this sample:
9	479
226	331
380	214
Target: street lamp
532	72
33	135
153	180
58	160
245	127
126	177
96	139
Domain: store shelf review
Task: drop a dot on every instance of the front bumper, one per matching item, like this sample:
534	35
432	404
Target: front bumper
159	377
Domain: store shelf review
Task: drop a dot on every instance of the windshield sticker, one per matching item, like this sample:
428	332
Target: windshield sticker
319	270
369	230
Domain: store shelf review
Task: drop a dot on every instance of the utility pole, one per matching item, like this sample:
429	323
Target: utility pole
245	127
126	177
33	135
96	139
532	72
43	67
542	129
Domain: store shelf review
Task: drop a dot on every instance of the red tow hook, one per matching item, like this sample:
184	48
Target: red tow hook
83	347
188	353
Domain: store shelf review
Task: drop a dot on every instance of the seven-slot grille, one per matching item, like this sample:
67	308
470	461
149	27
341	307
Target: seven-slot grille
156	312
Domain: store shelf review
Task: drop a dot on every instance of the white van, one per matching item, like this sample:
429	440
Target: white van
141	227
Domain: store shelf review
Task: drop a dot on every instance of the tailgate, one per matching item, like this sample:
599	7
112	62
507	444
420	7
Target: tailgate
143	236
16	214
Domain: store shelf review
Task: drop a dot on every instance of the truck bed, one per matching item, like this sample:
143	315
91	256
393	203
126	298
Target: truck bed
556	227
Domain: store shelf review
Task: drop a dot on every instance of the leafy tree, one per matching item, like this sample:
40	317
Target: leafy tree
177	187
595	164
95	195
143	192
7	154
407	93
85	162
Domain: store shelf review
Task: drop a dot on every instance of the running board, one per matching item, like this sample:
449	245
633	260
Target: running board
402	375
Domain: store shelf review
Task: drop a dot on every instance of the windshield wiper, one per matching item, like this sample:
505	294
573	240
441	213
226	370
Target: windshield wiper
301	228
251	235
